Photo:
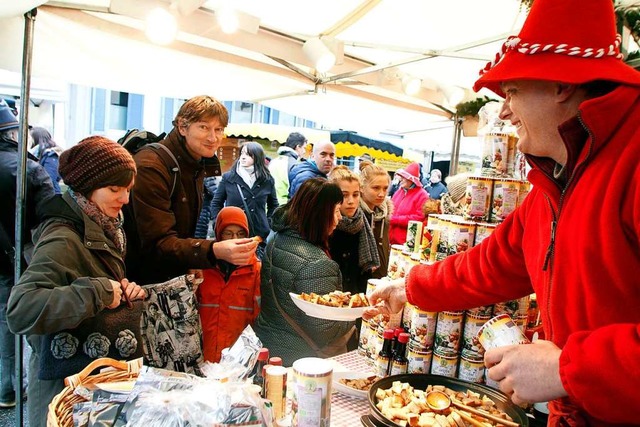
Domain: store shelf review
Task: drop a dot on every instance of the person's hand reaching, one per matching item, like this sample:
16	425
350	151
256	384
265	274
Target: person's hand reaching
387	299
235	251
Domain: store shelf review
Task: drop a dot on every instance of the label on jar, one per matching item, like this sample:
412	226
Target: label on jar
398	368
470	343
448	331
312	392
500	331
419	362
471	368
504	199
445	364
478	198
423	328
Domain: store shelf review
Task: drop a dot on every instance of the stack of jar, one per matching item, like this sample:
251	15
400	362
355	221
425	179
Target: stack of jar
491	199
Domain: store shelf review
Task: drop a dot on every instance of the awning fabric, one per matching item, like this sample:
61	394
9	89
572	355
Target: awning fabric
270	132
354	138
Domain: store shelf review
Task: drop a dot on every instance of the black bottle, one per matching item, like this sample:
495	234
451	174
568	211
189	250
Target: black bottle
384	355
399	364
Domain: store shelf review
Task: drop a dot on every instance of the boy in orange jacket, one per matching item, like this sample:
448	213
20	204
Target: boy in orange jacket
229	296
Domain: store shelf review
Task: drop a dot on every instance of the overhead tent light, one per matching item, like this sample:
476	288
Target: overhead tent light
227	19
319	53
411	85
454	94
161	27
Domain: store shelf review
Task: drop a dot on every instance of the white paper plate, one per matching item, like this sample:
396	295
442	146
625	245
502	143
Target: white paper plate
326	312
350	391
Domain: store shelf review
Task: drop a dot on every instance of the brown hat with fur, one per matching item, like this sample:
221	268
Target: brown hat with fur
92	164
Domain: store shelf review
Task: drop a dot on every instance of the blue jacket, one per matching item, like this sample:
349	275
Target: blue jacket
261	200
300	173
49	161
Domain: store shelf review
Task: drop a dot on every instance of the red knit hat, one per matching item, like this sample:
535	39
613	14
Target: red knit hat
569	41
412	173
92	163
230	215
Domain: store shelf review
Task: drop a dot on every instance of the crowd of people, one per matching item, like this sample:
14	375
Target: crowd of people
322	228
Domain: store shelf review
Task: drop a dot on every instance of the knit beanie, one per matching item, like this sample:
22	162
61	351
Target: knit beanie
90	164
230	215
457	185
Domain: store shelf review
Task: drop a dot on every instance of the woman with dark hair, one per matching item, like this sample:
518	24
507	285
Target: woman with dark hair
249	186
48	153
297	260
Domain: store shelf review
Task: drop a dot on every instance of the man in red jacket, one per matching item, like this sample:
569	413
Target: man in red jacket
575	241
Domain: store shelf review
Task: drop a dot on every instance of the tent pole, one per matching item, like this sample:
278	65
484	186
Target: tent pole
27	52
455	146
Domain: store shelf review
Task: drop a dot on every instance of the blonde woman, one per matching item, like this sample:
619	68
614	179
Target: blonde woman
352	245
377	209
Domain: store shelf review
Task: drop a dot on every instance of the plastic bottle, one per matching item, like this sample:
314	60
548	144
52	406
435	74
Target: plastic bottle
384	355
258	377
399	364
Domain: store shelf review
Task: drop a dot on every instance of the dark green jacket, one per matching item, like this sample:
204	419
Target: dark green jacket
64	284
295	265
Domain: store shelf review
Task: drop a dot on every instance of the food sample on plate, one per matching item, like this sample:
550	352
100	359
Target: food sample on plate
407	406
337	299
362	384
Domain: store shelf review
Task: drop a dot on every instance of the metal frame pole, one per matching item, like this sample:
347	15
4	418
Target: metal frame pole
455	145
27	53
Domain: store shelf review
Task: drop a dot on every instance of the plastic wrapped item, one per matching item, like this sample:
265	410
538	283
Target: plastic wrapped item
105	408
198	402
237	362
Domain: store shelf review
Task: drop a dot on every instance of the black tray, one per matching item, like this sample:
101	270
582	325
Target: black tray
421	381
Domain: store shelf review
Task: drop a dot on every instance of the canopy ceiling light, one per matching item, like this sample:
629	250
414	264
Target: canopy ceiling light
453	94
319	54
411	85
161	26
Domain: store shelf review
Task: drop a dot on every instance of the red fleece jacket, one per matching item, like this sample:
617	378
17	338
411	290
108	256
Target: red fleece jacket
589	292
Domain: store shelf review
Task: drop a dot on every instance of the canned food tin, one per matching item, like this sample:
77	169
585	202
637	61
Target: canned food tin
276	389
471	368
483	230
478	198
427	241
483	310
498	154
461	235
414	235
445	364
525	187
423	328
419	361
472	325
521	322
500	331
448	331
312	392
407	312
396	261
504	198
511	308
440	243
363	342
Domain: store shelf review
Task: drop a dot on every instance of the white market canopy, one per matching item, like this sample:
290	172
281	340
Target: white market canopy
444	43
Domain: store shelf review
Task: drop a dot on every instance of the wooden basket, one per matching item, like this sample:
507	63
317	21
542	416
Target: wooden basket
60	412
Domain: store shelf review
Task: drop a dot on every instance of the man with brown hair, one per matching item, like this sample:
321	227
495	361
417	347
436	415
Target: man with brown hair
166	217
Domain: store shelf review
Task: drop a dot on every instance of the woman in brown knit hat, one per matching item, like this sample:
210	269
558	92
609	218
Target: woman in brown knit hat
77	274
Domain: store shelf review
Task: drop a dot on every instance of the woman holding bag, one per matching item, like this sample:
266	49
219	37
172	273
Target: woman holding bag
73	301
248	186
297	260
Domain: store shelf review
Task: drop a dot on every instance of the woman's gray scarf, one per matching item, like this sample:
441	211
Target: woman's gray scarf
378	213
368	257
